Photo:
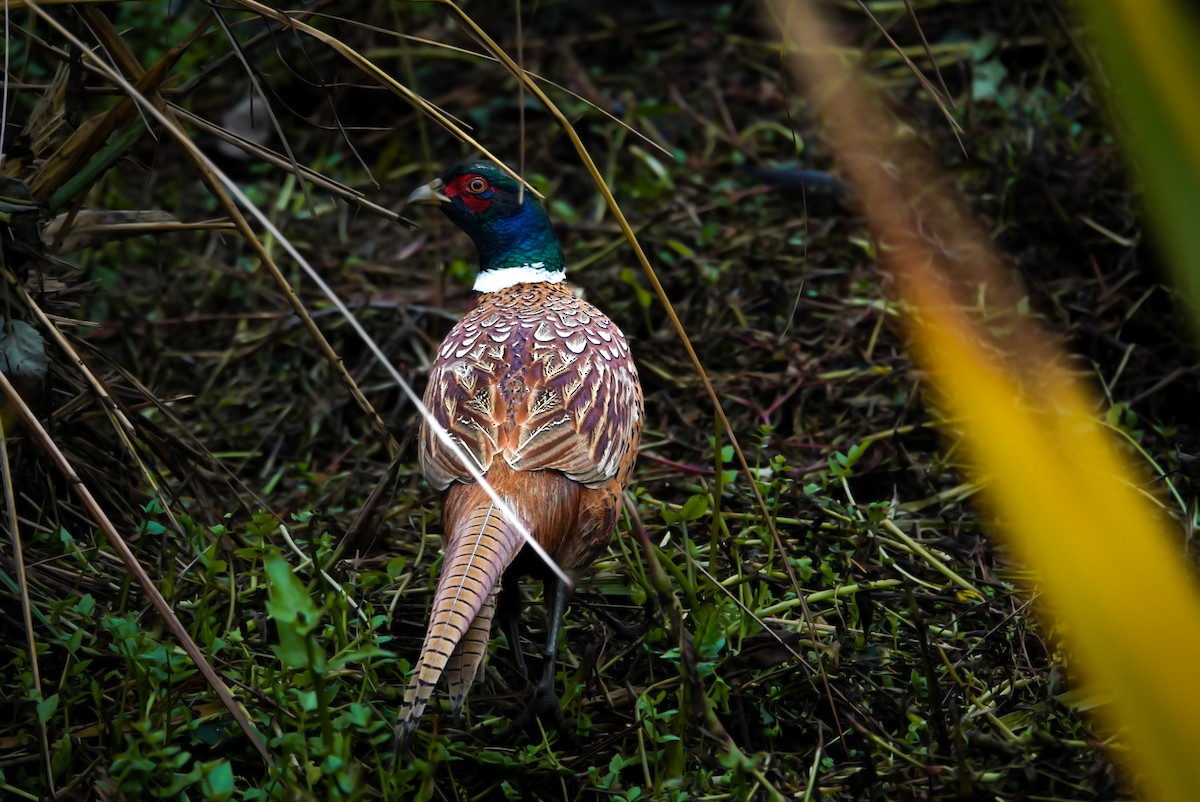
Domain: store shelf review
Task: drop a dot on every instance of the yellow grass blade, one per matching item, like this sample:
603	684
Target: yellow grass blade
1113	578
1108	567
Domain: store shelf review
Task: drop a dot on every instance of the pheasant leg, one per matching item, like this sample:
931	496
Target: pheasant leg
541	701
508	607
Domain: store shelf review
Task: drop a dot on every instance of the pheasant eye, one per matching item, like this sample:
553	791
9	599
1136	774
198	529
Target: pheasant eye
477	185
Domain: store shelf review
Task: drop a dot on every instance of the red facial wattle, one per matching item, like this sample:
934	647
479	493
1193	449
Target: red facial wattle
475	202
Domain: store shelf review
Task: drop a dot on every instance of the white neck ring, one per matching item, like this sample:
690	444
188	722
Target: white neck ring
501	278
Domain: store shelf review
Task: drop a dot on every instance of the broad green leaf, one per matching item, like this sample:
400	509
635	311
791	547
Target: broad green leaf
47	707
294	613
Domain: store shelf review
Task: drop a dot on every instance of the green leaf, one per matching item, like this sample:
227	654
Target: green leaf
363	654
86	605
294	613
47	707
694	508
681	249
216	781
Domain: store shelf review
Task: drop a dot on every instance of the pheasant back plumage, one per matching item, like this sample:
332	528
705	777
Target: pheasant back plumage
539	378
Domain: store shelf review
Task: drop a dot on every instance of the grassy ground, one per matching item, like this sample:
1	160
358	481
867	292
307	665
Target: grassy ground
864	639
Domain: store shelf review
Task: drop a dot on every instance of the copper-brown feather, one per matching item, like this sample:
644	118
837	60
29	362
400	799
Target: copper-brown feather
541	379
479	547
539	388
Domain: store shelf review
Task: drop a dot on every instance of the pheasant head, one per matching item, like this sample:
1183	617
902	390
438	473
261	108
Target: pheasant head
513	235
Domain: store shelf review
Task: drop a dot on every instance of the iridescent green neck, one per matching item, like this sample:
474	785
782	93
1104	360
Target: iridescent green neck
513	235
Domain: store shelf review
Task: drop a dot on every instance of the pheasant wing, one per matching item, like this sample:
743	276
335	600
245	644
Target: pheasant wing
546	383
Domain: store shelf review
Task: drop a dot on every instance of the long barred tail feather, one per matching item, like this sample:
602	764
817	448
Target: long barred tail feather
481	546
470	655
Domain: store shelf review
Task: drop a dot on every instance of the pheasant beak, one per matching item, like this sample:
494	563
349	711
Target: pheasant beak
431	194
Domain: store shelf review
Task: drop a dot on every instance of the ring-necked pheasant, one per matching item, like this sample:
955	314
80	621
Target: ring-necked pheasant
538	386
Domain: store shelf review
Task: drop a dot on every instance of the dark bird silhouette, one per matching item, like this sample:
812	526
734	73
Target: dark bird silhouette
538	387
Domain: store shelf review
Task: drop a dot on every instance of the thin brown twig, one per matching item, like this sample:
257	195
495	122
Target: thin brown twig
912	15
955	128
18	555
370	68
262	153
481	55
